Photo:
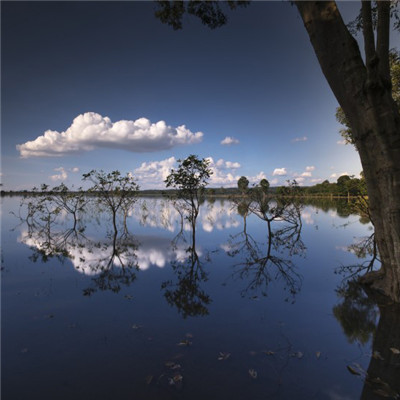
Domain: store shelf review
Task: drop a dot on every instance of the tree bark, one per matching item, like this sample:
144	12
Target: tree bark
366	98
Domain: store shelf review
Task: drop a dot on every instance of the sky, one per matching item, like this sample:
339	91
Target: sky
107	86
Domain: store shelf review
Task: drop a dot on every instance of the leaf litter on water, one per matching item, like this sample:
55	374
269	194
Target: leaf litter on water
223	356
253	373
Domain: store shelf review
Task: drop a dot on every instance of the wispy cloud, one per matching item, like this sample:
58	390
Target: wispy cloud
62	175
229	141
90	131
300	139
75	169
341	142
279	172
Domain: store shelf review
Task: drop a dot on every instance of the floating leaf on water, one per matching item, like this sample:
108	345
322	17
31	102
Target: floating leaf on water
184	343
253	373
318	354
172	365
377	355
25	350
177	378
298	354
269	352
149	379
136	327
352	370
223	356
394	350
128	297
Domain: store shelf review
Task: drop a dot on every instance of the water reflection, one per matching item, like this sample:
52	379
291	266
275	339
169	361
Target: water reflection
272	260
186	293
358	314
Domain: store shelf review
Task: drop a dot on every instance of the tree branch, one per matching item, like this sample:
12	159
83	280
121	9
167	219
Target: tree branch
382	44
368	33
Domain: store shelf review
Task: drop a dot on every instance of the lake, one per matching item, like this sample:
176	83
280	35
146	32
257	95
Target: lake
152	310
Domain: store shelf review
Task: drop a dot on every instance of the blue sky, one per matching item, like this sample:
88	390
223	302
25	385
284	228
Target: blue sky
117	71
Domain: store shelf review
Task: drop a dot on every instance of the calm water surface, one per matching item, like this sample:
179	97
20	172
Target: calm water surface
151	311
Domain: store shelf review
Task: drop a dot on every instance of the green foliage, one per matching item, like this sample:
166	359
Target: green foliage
191	177
243	184
209	12
264	185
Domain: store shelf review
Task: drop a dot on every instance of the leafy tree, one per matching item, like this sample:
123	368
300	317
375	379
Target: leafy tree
264	185
243	184
115	191
190	181
363	89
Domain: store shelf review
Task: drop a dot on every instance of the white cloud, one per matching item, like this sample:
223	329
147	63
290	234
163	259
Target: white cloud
91	130
306	174
223	172
75	169
152	174
274	181
336	175
300	139
341	142
279	172
61	176
316	180
310	168
229	141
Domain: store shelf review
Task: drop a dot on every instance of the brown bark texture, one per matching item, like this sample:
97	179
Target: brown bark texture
364	93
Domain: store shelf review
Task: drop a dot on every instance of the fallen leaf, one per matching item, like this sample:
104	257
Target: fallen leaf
318	354
394	350
172	365
184	343
298	354
149	379
253	373
352	370
136	327
269	352
377	355
223	356
23	351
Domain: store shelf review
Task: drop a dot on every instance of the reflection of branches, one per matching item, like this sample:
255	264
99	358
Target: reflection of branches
261	263
113	261
358	314
186	295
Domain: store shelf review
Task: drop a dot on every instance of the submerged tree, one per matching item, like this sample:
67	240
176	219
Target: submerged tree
364	92
190	181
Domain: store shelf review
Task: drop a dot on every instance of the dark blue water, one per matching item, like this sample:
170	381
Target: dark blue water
146	313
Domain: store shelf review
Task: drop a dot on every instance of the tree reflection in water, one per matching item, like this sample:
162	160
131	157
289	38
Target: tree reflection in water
271	260
186	294
112	262
358	314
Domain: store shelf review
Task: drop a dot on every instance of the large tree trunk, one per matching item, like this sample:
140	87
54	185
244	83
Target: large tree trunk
364	94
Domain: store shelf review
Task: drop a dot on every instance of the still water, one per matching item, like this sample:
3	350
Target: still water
149	309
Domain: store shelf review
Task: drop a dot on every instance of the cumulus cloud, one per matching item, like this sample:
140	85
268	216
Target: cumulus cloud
310	168
152	174
300	139
75	169
90	131
306	174
341	142
62	174
229	140
316	180
279	172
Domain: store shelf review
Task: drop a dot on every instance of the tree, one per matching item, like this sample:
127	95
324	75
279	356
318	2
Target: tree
115	191
190	181
394	60
243	184
264	185
364	92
